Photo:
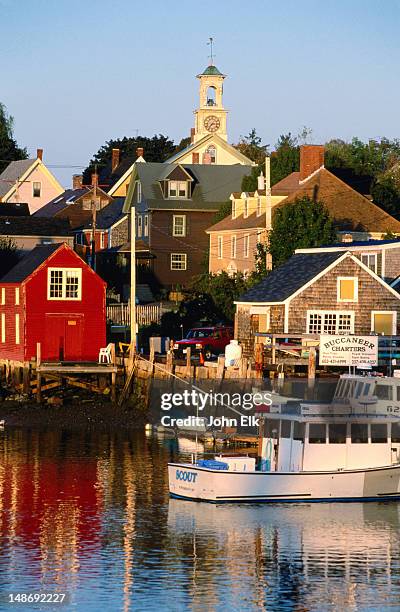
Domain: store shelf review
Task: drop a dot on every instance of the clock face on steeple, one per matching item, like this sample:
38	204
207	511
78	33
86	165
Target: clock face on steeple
212	123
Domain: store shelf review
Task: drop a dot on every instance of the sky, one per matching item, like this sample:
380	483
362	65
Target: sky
77	73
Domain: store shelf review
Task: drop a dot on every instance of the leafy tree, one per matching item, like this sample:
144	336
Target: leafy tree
250	181
223	289
9	150
185	142
301	224
386	194
224	210
156	149
8	255
285	159
251	146
364	158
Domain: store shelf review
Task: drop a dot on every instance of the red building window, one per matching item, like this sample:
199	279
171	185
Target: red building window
64	284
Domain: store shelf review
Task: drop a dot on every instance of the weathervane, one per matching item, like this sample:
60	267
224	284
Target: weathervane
211	56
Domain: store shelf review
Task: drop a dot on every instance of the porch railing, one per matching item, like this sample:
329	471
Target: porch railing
120	314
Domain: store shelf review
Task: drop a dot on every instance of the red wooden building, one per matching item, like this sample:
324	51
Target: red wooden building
53	297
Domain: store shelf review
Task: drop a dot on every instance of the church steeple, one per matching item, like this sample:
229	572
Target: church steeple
210	117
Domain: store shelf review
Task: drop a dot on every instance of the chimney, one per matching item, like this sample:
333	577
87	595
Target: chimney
114	159
140	152
311	160
77	181
260	182
95	180
39	154
192	134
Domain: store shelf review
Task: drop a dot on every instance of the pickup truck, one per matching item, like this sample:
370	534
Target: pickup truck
210	340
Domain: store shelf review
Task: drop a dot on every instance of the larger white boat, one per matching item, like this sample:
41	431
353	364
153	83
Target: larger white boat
344	456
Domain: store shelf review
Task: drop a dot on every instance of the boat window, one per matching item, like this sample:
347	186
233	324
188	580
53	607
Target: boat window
271	428
359	388
366	389
359	433
384	392
285	429
298	431
317	433
337	433
379	433
396	432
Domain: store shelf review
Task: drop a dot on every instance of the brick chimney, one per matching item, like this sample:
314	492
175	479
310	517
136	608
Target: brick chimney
140	152
95	180
192	134
311	160
39	154
114	159
77	181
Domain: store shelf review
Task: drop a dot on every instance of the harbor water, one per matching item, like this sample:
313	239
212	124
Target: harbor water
88	514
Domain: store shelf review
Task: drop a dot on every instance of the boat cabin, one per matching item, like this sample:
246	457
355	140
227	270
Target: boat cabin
304	443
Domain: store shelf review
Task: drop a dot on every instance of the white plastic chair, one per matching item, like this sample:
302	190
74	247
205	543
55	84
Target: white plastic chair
105	354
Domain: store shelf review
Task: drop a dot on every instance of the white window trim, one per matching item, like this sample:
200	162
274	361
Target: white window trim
33	189
245	208
184	259
138	192
177	196
352	278
139	226
146	226
368	254
17	296
394	319
3	296
329	312
220	244
246	245
174	233
233	209
3	327
233	246
17	333
63	298
259	207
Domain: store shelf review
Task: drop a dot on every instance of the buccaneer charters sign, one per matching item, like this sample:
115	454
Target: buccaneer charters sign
348	350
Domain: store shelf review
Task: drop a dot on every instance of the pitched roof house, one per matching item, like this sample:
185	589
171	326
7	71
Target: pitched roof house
175	203
111	227
53	297
30	181
234	239
29	232
331	292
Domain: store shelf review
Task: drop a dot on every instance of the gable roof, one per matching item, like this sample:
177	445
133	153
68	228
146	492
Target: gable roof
240	222
107	216
288	278
33	226
21	169
109	178
350	210
212	185
29	263
61	202
200	143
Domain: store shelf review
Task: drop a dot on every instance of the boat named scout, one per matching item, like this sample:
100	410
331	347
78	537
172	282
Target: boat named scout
344	451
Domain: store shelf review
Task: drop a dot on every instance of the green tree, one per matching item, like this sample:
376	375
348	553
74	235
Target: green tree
286	158
9	150
156	149
223	290
386	194
224	210
301	224
251	146
371	158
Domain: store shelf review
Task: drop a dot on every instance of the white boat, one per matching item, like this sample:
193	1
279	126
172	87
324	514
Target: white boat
319	457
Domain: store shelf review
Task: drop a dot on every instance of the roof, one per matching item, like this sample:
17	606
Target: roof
33	226
239	223
107	216
287	185
108	177
29	263
213	185
13	172
60	202
14	209
288	278
215	139
350	210
211	71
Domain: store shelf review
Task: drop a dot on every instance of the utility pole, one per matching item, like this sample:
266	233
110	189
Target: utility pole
268	204
94	219
133	281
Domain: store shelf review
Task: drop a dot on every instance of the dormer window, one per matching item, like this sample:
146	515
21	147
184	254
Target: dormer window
246	208
233	209
258	206
178	189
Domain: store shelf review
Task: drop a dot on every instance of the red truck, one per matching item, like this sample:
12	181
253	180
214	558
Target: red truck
210	340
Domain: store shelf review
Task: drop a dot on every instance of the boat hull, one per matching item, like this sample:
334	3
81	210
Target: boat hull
188	481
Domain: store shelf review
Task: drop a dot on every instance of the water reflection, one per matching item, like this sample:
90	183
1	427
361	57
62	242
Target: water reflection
90	514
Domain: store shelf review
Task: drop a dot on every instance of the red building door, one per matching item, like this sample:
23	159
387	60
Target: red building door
63	337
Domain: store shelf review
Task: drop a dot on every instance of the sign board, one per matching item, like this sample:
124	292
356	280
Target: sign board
348	350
